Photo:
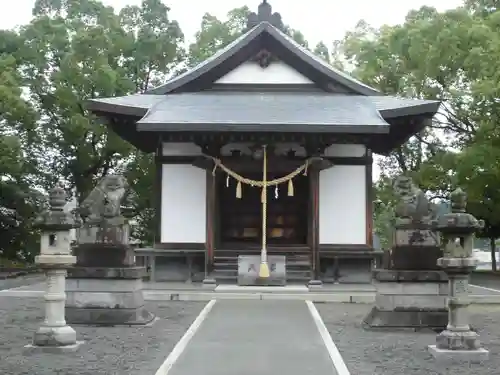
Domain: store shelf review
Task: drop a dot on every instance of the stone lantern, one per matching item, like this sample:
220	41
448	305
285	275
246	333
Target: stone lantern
55	258
458	342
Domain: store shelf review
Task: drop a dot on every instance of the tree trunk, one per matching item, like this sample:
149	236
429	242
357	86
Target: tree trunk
493	249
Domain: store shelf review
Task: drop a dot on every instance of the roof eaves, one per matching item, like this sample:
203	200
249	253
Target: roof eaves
430	107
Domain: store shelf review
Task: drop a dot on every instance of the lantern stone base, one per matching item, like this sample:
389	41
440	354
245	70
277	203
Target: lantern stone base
414	300
106	296
55	340
459	356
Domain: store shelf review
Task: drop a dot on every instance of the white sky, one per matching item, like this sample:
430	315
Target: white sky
325	20
318	20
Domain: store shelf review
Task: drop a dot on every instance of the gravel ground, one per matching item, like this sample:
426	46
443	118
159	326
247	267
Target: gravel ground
20	281
106	351
404	353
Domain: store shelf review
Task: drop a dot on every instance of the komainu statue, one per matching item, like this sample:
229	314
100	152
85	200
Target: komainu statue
105	225
413	206
110	199
416	246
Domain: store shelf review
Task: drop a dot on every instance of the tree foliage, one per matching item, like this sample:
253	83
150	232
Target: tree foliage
72	51
451	56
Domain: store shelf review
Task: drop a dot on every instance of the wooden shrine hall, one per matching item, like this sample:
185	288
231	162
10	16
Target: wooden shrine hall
264	149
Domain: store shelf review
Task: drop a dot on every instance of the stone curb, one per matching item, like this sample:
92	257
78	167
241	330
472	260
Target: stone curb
156	295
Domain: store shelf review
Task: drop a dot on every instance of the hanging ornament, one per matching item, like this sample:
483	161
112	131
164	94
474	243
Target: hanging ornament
227	181
276	192
290	188
238	190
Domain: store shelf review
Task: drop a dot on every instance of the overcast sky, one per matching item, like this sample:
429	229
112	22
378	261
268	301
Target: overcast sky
318	20
325	20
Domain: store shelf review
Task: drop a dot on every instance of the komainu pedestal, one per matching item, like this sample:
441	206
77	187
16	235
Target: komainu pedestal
105	286
412	293
413	300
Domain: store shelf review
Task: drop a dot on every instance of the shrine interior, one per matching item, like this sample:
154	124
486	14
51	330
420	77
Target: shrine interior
240	219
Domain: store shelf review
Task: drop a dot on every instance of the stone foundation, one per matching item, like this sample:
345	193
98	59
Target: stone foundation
409	300
106	296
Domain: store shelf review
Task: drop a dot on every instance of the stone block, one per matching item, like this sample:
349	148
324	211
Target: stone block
99	285
425	238
420	301
410	300
105	300
106	273
459	356
409	275
248	270
54	336
406	319
104	255
54	349
415	257
408	288
108	317
354	271
392	302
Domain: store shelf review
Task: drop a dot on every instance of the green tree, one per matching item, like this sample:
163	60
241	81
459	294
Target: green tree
78	50
451	56
215	34
18	200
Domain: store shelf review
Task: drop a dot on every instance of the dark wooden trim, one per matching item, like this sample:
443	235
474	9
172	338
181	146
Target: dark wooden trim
158	200
210	221
254	248
353	248
369	201
314	220
262	87
180	245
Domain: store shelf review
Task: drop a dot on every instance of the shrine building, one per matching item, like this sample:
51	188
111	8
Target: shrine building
265	111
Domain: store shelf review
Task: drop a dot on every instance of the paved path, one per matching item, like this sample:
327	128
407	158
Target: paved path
256	337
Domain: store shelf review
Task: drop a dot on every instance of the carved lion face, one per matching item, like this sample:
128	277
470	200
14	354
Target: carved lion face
113	183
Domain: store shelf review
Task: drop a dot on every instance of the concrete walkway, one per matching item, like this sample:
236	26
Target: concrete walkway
257	337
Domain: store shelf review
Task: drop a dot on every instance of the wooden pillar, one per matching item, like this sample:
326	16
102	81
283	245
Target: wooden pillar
210	222
314	171
158	203
369	198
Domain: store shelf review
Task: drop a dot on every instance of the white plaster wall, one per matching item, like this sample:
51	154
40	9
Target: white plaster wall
342	205
251	72
345	150
183	203
180	149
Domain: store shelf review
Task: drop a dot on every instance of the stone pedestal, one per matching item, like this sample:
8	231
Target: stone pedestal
106	296
409	300
416	247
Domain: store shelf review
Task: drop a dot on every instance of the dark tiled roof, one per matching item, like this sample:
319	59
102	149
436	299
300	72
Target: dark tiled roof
138	105
265	112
